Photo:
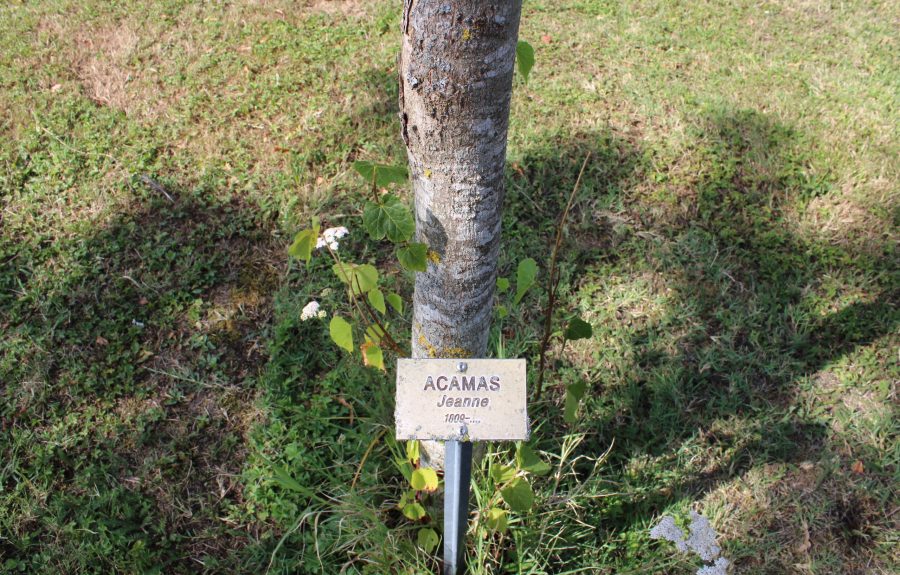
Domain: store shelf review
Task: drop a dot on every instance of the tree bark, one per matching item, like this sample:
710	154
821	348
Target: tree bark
456	70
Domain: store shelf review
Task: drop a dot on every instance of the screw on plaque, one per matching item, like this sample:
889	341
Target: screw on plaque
462	367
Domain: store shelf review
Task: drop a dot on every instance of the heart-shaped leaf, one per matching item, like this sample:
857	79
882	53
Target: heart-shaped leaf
427	539
424	479
524	58
391	218
413	257
527	459
361	277
414	511
518	495
395	302
525	275
303	245
376	298
383	175
305	242
574	393
341	332
373	356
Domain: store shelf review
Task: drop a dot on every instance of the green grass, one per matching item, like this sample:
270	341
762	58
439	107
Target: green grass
733	245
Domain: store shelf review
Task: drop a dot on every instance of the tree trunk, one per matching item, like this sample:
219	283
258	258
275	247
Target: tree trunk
456	70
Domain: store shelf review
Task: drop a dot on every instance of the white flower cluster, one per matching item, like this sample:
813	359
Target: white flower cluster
703	537
702	541
668	530
311	310
330	237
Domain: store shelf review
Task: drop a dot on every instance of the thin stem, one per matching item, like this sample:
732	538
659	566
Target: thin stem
353	301
391	341
366	456
374	184
553	281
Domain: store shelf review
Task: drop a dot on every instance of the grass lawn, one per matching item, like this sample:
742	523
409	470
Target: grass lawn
734	245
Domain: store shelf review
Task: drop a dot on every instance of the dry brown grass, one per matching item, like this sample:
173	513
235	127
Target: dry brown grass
840	219
103	64
353	8
815	519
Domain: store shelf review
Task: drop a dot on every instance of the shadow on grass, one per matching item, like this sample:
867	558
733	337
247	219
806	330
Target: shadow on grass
701	377
128	360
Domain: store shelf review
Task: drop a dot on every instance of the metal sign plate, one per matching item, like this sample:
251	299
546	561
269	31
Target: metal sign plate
461	399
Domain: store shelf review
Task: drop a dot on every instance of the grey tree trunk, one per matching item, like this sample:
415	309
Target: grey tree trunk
456	70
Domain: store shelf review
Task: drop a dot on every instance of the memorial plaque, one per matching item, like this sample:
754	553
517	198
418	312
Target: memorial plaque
461	399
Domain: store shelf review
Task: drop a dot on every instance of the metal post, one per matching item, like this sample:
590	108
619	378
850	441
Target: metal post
457	477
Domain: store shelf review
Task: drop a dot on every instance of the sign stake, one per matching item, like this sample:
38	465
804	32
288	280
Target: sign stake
457	478
460	402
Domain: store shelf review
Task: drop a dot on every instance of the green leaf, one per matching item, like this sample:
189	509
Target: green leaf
424	479
284	479
518	495
496	519
530	461
407	498
376	298
373	356
395	301
427	539
341	333
382	174
502	285
577	389
412	451
502	312
570	411
303	245
502	473
414	511
363	277
524	58
578	329
390	218
305	242
413	257
525	275
574	393
405	468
